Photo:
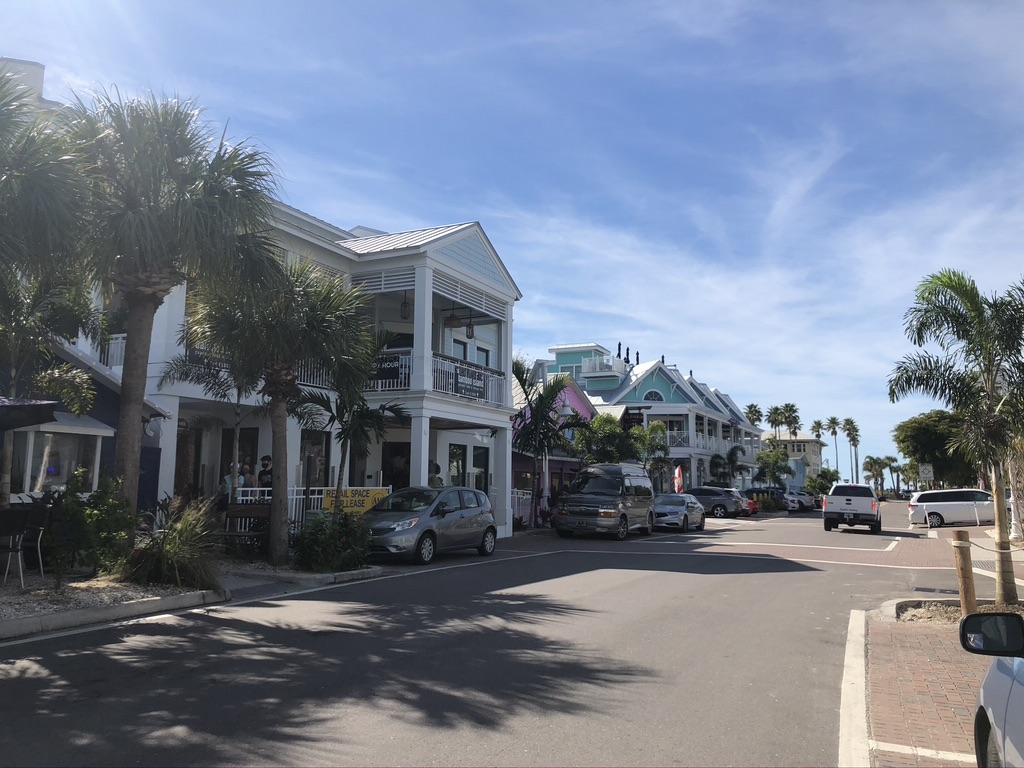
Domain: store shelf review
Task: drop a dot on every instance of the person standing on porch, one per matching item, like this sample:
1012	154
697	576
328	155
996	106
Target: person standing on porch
265	478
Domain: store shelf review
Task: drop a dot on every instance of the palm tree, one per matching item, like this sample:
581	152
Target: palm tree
170	202
752	413
773	464
852	432
791	419
874	470
775	418
310	317
355	423
539	427
832	426
817	428
892	464
226	374
977	374
44	300
726	468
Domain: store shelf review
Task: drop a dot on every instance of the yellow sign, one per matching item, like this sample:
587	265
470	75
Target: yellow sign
354	500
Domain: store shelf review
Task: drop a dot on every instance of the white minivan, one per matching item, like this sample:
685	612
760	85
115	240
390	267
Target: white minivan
951	505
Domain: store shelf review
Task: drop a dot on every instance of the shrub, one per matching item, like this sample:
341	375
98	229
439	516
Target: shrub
770	504
180	553
110	519
68	535
333	541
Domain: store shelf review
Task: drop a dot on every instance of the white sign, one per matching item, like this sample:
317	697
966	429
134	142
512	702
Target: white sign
925	472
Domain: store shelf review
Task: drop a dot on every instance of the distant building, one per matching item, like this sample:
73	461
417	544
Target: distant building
804	456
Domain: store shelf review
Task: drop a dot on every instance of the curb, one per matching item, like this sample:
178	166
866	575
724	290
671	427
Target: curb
85	617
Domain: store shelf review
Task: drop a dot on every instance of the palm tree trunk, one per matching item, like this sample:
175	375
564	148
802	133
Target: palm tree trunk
835	443
141	310
278	551
1006	587
6	464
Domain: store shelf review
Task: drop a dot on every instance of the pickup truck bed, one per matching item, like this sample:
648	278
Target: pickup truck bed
851	504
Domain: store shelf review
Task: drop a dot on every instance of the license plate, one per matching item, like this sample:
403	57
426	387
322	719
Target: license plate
581	523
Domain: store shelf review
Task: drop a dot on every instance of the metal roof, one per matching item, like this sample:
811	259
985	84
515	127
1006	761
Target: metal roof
401	240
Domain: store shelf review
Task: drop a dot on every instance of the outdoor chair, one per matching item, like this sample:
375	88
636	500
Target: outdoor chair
12	528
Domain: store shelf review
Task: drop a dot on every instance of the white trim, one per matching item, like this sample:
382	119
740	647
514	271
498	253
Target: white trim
853	710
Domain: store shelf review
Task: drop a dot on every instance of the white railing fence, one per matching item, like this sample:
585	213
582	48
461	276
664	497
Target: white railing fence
522	506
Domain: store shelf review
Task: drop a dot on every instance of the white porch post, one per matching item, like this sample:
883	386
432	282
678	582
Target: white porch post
422	358
419	450
96	463
168	442
502	485
26	479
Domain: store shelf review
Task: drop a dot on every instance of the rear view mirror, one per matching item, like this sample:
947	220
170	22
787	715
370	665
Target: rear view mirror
993	634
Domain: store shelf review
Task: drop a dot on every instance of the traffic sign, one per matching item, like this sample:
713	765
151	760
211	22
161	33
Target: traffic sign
925	472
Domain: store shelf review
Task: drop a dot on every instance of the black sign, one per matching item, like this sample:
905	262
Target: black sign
469	382
387	367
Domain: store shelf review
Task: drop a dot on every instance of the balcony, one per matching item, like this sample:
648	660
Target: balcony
450	376
597	367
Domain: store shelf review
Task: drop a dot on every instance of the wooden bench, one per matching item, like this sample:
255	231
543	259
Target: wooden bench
246	527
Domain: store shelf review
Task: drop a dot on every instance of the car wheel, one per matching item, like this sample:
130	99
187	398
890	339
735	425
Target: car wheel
992	757
685	527
718	510
828	525
801	507
622	531
935	520
426	548
564	533
648	527
488	542
876	527
702	520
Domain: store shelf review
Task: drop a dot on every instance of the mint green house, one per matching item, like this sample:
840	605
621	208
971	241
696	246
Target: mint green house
702	421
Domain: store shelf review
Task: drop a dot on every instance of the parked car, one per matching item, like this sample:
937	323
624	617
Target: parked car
805	501
420	521
607	498
679	511
720	502
999	718
951	505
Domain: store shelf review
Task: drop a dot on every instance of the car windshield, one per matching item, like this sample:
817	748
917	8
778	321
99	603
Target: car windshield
408	500
596	485
671	500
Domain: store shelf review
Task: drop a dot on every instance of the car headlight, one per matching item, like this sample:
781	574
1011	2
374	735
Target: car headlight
608	513
407	524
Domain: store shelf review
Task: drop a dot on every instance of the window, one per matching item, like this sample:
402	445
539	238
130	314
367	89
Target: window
460	349
654	396
575	370
483	357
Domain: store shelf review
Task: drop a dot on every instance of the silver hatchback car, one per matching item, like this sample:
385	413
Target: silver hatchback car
420	521
679	511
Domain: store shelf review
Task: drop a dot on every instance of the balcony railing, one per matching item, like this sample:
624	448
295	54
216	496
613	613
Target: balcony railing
462	379
680	439
112	355
595	366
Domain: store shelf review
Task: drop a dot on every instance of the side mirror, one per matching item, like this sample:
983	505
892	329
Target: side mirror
993	634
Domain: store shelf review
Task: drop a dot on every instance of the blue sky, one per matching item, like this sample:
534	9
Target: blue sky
751	189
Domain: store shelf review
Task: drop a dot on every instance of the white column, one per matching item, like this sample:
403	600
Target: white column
422	313
419	450
96	463
26	480
168	442
501	487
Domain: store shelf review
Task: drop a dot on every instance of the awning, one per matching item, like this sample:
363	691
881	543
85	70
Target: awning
15	413
69	424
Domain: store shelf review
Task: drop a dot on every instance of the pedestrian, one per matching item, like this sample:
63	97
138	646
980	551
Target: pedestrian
265	478
248	476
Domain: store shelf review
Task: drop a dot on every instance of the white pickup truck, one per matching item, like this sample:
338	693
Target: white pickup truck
851	504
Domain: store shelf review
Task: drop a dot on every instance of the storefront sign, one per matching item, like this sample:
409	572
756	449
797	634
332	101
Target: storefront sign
388	367
354	500
469	382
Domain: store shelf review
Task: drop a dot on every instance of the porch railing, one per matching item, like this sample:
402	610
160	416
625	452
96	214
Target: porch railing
522	505
112	355
462	379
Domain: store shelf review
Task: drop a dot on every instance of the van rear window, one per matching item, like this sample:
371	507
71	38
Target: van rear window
853	490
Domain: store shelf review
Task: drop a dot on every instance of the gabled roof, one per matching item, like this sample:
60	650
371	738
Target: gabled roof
519	397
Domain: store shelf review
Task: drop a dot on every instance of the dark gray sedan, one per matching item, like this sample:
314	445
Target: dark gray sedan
420	521
678	511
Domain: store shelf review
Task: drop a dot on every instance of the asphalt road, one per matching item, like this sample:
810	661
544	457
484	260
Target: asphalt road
721	648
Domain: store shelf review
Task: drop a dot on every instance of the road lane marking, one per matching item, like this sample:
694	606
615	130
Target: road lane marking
928	754
853	707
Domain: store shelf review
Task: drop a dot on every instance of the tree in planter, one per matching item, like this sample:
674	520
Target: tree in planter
602	441
727	468
539	427
169	201
309	318
355	424
651	448
44	297
227	374
977	374
773	464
